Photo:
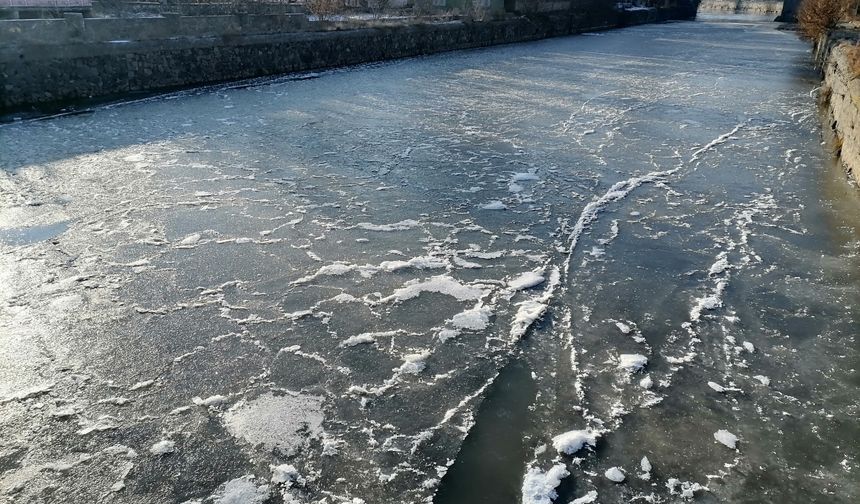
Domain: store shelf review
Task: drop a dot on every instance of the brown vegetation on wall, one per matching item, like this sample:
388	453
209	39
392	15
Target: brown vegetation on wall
816	17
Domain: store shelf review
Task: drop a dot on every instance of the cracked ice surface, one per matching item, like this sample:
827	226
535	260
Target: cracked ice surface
304	290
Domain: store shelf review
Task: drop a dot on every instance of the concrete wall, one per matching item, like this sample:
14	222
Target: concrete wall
76	29
87	66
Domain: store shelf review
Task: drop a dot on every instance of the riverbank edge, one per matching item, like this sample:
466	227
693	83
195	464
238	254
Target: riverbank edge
840	96
37	78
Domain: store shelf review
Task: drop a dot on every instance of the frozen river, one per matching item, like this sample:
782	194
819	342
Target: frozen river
619	267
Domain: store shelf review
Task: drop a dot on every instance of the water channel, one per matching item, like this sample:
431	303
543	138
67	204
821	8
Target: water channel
514	274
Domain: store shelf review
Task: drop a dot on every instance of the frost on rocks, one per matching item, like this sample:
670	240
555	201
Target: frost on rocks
632	362
727	438
572	441
614	474
163	447
539	487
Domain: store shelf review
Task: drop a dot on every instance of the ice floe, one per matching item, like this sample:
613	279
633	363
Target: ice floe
526	280
282	422
726	438
163	447
615	474
572	441
632	362
539	487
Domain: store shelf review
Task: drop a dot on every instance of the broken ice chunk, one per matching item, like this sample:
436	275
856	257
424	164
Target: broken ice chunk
614	474
163	447
586	499
632	362
572	441
727	438
284	474
527	280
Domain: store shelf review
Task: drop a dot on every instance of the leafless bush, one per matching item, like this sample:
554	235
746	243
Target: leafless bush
324	9
476	9
378	7
422	7
816	17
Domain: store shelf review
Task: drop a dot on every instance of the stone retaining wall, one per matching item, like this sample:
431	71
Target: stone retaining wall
53	72
742	6
841	93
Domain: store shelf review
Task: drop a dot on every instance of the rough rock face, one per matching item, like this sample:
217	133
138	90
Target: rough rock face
742	6
844	89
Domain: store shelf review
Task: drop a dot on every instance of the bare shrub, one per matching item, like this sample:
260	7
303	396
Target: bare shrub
816	17
378	7
422	7
324	9
476	9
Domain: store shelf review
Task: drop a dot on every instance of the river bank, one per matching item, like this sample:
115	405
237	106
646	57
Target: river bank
48	63
840	94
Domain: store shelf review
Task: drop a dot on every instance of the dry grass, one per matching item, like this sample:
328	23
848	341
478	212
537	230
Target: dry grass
816	17
324	9
852	54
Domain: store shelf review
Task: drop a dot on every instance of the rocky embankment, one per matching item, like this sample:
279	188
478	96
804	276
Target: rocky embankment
742	6
840	94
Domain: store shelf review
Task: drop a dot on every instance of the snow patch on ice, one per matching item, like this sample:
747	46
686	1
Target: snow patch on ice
687	489
494	205
285	474
475	319
241	491
163	447
588	498
632	362
527	280
414	363
441	284
709	302
764	380
727	438
614	474
282	422
572	441
397	226
359	339
539	487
